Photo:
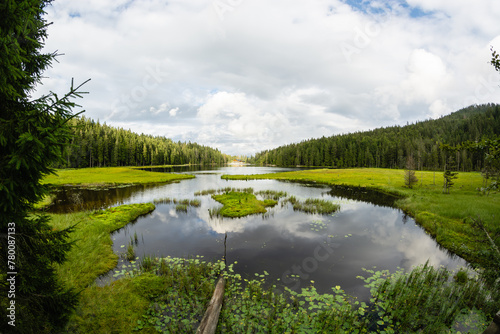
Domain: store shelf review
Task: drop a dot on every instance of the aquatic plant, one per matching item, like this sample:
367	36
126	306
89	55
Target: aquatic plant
130	255
271	194
186	202
147	263
223	190
424	300
313	205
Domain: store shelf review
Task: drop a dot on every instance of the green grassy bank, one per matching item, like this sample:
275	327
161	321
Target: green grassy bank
110	176
447	217
92	254
110	309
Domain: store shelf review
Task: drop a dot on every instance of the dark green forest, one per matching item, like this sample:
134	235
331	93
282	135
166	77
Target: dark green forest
99	145
388	147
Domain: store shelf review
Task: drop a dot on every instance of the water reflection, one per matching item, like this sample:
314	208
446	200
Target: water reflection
363	195
73	199
329	249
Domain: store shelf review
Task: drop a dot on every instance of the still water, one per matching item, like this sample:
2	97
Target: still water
330	249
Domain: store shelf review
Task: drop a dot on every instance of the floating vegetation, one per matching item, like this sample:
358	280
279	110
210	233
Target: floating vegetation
181	208
272	194
313	205
173	294
318	225
223	190
186	202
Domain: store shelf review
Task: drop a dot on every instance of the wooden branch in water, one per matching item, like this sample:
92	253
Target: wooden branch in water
210	319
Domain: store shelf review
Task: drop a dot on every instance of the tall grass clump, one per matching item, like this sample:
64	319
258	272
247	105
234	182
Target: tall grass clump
130	255
214	212
272	194
313	205
147	263
186	202
425	300
223	190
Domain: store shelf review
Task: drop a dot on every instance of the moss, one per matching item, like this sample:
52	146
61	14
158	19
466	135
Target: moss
115	308
149	285
92	254
240	204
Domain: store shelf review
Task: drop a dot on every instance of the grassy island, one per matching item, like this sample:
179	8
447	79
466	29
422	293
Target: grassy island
240	204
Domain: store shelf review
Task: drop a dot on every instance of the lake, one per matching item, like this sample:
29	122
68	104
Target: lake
367	231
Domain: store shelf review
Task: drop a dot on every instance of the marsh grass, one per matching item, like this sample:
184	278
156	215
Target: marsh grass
110	176
272	194
186	202
223	190
214	212
426	299
92	254
172	294
130	255
314	205
240	204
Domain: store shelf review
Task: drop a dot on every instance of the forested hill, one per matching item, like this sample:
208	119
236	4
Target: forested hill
389	147
99	145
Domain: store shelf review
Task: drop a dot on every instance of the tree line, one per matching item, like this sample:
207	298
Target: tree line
389	147
98	145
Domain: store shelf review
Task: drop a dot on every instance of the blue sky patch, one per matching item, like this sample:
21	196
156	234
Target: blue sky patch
365	6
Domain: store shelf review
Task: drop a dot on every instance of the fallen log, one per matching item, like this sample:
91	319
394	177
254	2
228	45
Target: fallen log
211	318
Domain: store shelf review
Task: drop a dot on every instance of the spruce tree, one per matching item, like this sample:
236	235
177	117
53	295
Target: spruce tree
410	178
32	135
449	175
495	59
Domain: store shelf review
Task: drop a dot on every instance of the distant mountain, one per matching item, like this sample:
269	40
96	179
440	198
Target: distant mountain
388	147
98	145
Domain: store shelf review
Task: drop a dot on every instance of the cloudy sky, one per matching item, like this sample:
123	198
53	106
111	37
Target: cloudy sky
248	75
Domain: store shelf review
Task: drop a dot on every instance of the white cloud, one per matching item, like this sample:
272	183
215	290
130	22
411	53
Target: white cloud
271	73
173	112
